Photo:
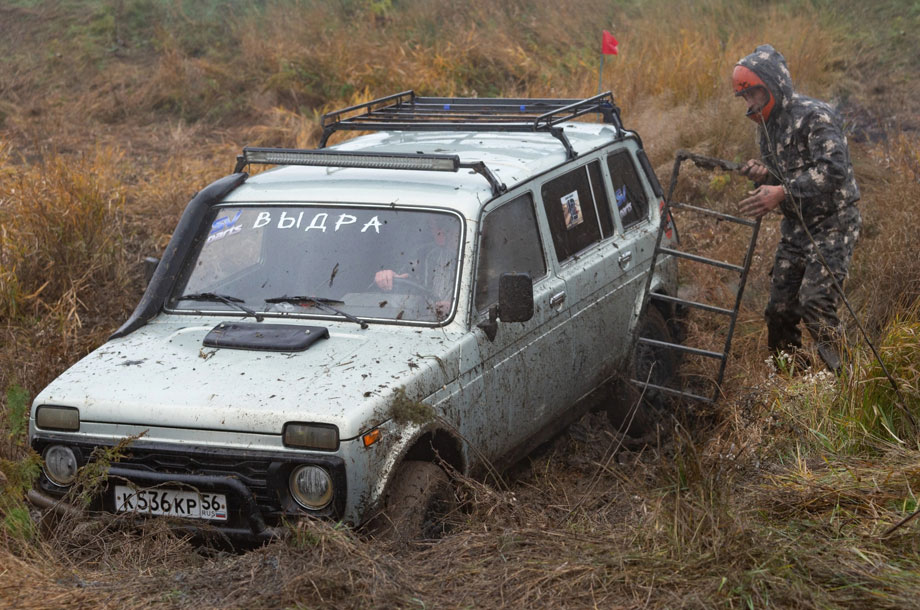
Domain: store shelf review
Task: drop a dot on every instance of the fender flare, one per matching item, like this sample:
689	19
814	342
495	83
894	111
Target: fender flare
413	436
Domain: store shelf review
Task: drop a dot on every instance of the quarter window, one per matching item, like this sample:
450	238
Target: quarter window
632	202
577	210
510	242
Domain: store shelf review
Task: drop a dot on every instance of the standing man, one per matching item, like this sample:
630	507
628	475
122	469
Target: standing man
805	171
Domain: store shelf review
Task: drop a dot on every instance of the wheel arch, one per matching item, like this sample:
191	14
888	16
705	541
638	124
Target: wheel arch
664	282
437	445
433	444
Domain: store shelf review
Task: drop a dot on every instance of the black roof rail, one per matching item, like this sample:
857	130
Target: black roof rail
407	111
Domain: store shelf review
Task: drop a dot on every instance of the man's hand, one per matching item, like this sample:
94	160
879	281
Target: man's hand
384	279
762	200
755	170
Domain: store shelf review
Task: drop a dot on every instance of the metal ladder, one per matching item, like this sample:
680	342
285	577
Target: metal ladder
742	270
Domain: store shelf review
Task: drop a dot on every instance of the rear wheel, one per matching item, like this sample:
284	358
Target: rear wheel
417	504
651	363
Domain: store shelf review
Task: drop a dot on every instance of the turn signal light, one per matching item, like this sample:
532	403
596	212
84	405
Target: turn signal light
371	437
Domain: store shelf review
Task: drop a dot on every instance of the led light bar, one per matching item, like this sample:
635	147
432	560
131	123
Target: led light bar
328	158
365	160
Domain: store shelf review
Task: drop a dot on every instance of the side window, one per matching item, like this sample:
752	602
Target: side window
632	203
510	242
577	210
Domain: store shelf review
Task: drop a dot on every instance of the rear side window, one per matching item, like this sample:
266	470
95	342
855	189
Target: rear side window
577	210
510	242
632	202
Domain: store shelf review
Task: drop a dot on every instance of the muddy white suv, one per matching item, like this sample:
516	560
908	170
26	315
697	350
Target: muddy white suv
327	337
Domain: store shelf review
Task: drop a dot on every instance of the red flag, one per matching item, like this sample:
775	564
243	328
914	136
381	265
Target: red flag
609	44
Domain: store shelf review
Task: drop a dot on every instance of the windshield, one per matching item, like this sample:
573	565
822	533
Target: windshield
325	261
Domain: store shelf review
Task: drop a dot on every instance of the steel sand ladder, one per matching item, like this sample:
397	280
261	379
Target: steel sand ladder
742	270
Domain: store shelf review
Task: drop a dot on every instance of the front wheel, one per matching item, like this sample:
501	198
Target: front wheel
417	504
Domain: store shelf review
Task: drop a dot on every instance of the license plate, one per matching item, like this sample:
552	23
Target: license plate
171	502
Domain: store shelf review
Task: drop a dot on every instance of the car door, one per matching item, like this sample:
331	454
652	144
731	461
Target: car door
593	261
632	195
524	368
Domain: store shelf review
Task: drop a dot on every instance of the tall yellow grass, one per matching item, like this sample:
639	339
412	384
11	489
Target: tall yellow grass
63	233
306	57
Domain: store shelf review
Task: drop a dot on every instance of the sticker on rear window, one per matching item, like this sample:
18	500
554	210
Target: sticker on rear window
625	206
571	209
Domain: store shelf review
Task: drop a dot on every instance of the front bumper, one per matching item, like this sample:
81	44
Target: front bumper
254	482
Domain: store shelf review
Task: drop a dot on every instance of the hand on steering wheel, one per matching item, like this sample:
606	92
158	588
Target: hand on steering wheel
385	277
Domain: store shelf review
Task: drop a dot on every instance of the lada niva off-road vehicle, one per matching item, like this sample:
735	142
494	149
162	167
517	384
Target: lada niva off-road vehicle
326	337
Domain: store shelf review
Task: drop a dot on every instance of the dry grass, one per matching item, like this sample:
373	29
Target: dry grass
664	528
112	114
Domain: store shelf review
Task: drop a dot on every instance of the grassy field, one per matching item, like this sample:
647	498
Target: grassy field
786	494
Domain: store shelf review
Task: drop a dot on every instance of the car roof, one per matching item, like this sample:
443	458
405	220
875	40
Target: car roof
512	157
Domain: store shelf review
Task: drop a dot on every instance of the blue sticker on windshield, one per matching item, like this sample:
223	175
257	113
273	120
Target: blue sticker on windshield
224	226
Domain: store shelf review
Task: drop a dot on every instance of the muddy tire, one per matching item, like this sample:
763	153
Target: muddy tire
625	413
417	504
656	364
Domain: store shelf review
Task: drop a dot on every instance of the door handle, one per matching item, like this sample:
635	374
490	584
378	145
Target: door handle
557	299
624	259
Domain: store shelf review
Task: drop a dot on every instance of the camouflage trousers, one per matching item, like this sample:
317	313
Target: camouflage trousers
802	289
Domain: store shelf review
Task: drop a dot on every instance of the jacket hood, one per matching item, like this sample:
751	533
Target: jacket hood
770	65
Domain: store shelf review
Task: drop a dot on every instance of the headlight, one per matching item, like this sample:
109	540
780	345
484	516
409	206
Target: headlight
66	419
311	487
60	465
324	437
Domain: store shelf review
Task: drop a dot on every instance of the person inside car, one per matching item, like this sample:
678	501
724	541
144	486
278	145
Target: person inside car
433	267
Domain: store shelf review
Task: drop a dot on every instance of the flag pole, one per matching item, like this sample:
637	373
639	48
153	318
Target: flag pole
600	75
608	47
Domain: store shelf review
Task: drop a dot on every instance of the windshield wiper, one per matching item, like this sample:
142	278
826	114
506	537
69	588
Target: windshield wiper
321	303
222	298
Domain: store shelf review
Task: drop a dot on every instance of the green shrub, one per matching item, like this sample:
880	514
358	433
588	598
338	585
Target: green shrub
17	475
17	412
868	412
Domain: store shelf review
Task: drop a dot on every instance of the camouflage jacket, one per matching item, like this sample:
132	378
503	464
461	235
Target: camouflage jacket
803	145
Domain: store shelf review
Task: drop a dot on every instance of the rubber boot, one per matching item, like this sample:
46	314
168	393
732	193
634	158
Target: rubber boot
831	357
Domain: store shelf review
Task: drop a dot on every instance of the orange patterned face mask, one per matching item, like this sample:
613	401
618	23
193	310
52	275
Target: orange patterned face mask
748	85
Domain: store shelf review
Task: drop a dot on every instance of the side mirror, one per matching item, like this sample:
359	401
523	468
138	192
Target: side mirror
150	267
515	302
515	297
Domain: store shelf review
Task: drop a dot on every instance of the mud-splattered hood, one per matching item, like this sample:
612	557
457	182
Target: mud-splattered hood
770	65
162	375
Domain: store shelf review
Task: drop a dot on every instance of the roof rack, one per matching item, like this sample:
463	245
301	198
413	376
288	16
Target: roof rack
408	112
